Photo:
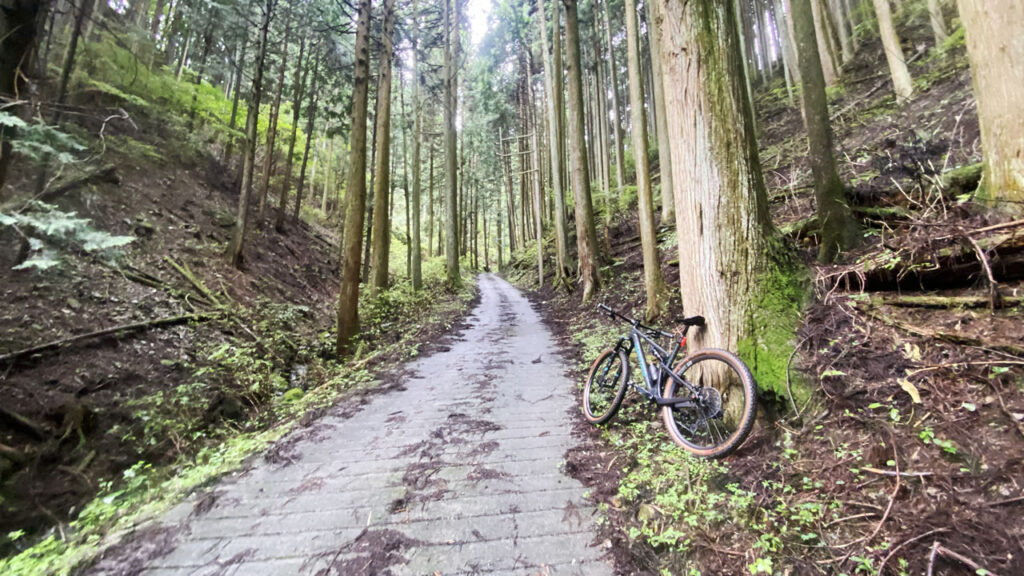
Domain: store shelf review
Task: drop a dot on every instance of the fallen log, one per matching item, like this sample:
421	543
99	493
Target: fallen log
107	173
914	301
954	265
1010	349
157	323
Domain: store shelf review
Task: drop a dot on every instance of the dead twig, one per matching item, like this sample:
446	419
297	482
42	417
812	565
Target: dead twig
993	291
940	550
881	567
897	473
892	499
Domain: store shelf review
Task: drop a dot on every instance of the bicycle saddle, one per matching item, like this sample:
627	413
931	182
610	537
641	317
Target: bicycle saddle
694	321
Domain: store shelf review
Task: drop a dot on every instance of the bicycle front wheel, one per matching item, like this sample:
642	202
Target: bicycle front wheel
606	386
715	413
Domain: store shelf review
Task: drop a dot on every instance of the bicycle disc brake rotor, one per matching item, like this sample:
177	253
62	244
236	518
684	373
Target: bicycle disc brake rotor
710	401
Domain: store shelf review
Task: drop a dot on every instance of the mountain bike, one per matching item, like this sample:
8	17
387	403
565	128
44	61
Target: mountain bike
709	397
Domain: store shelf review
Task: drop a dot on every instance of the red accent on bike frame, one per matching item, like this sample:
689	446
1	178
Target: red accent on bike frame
682	343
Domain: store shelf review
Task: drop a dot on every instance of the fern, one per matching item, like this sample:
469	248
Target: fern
55	231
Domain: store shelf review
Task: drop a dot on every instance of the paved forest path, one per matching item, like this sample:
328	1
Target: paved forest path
459	473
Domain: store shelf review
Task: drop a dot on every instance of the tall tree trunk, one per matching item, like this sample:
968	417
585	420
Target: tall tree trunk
251	122
995	48
538	182
158	13
747	63
207	41
586	234
829	66
82	14
451	98
416	268
839	230
310	136
268	159
298	85
430	203
668	211
789	64
938	22
328	170
901	81
653	281
733	268
355	191
229	147
555	104
620	162
379	258
839	22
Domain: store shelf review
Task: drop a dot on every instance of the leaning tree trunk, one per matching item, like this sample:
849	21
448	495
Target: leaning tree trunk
299	84
451	99
379	261
839	230
229	147
555	104
995	47
355	191
733	269
653	281
251	122
901	81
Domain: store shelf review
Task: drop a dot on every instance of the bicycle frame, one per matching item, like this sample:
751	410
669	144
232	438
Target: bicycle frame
652	389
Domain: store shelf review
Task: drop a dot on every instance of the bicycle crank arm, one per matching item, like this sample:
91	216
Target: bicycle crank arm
674	402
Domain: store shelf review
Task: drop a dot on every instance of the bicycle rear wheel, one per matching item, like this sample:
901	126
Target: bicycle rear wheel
606	386
719	413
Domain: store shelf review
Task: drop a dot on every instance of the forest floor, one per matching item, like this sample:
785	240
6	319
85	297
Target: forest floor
143	415
909	454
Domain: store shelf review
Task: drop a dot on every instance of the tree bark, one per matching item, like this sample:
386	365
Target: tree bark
901	81
829	67
620	163
586	233
310	136
839	230
298	86
268	159
379	258
668	211
555	109
451	98
995	48
938	22
416	268
355	191
733	268
653	281
229	147
252	119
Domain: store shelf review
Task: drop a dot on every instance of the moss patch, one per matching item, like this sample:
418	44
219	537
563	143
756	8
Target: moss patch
773	321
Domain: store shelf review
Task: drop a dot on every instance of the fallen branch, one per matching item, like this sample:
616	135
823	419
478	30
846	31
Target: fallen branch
894	473
15	420
12	454
185	271
1004	502
881	567
159	322
892	499
940	550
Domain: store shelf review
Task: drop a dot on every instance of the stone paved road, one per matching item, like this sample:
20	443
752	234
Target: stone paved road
459	473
